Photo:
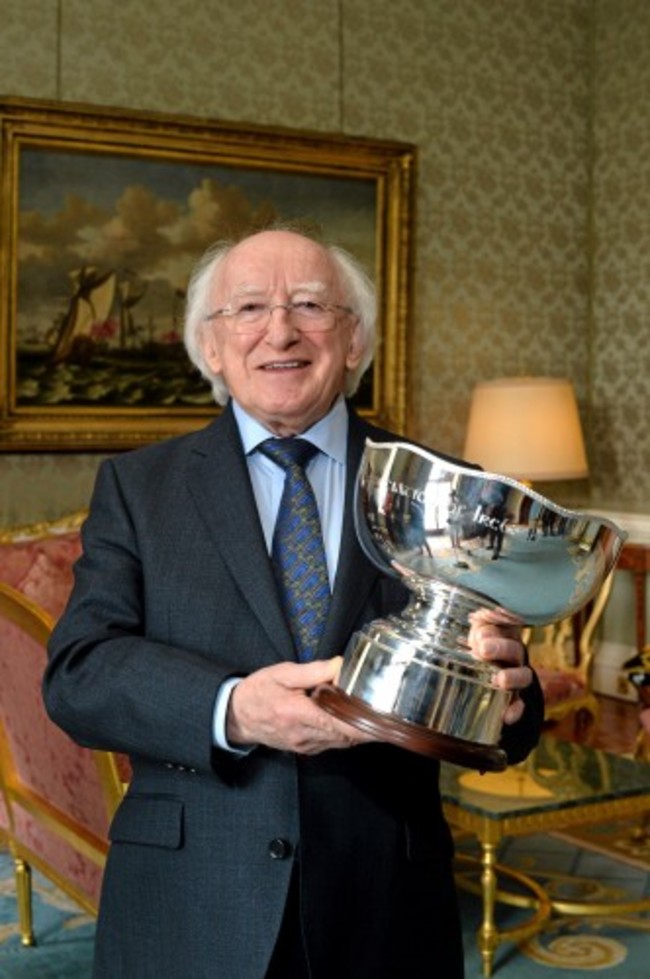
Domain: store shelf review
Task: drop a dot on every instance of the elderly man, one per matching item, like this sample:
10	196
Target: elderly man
260	836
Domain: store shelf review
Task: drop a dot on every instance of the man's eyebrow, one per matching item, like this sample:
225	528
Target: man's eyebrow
246	289
315	286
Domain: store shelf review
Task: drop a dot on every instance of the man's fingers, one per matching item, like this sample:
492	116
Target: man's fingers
272	706
306	676
513	711
514	678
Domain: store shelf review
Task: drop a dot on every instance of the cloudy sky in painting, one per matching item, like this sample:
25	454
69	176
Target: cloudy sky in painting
153	218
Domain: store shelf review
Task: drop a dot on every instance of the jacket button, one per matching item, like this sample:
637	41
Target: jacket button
279	849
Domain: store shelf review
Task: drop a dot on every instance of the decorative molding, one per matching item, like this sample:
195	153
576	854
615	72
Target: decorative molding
637	525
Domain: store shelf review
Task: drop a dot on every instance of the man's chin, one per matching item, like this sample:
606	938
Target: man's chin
290	419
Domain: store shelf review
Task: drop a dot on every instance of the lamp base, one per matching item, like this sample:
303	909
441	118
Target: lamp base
405	734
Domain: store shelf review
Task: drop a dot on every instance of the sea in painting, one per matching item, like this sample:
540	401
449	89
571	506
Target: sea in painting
157	376
97	353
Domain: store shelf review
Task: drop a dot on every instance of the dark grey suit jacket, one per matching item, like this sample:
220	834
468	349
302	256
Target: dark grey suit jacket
174	593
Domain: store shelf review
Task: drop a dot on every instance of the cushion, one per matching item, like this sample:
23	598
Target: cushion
41	567
558	686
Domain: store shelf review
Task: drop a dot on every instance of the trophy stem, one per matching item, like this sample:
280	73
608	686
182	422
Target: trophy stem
442	613
412	680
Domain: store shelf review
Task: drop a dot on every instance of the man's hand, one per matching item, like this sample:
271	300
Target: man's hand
272	706
495	636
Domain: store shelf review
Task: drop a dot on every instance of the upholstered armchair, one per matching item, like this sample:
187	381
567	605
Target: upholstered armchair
562	655
37	560
59	797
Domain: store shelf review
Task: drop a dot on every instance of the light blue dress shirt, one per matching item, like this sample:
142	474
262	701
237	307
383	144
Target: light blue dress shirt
326	473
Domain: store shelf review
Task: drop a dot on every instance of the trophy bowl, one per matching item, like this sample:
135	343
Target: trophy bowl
461	540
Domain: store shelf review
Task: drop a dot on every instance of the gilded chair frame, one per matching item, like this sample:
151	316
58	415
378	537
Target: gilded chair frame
549	648
43	529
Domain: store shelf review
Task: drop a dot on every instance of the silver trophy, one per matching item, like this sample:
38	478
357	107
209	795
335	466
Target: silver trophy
461	540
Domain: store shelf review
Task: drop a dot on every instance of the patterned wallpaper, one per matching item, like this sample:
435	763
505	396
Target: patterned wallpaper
620	330
497	95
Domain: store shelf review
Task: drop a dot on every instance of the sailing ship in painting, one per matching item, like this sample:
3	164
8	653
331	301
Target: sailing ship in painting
99	353
87	316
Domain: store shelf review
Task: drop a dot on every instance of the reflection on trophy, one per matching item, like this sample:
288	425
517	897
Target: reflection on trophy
461	540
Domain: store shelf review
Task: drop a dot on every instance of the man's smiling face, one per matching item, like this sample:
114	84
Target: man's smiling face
286	379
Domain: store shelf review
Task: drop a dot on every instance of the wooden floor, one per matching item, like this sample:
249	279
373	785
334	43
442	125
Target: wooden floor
615	730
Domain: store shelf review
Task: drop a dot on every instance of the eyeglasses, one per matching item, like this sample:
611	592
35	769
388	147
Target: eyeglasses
306	315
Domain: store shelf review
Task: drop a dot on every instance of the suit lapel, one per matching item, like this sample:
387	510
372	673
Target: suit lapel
220	486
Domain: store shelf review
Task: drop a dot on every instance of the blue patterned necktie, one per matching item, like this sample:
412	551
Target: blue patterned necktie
297	552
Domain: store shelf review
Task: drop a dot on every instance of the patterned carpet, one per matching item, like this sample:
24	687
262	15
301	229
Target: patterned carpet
64	933
626	839
616	946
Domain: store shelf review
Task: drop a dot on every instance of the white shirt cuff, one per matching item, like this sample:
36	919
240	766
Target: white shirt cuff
220	715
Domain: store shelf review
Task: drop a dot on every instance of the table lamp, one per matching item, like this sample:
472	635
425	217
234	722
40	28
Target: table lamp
528	428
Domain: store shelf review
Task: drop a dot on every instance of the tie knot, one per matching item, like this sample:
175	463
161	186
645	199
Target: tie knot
288	452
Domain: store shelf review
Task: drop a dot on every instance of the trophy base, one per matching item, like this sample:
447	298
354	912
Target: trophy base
405	734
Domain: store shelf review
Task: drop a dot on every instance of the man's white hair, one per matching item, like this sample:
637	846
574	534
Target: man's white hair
358	293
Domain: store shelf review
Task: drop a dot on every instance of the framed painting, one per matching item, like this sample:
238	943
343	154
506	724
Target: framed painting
104	213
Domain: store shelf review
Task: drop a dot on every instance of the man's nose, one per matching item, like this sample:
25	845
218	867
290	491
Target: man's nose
281	328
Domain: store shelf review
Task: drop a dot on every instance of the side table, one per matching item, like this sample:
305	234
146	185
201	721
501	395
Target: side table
561	784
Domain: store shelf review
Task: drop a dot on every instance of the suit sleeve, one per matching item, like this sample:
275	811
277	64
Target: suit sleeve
118	677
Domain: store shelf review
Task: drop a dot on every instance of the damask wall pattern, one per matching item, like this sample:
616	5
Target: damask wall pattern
507	101
495	96
620	355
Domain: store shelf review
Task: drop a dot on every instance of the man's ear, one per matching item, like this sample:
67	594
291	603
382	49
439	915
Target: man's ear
355	348
210	350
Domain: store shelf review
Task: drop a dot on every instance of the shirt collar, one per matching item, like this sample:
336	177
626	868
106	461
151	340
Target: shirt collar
330	434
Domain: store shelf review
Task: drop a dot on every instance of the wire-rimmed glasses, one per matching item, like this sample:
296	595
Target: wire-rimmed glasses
307	315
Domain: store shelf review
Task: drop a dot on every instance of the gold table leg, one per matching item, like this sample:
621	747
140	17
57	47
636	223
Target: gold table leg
23	876
487	936
535	898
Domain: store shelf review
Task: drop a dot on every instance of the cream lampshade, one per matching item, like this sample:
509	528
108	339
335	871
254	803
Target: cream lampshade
528	428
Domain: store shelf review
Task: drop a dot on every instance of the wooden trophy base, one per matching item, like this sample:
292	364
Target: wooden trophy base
405	734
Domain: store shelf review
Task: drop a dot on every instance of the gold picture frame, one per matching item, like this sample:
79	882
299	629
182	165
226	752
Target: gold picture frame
103	212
